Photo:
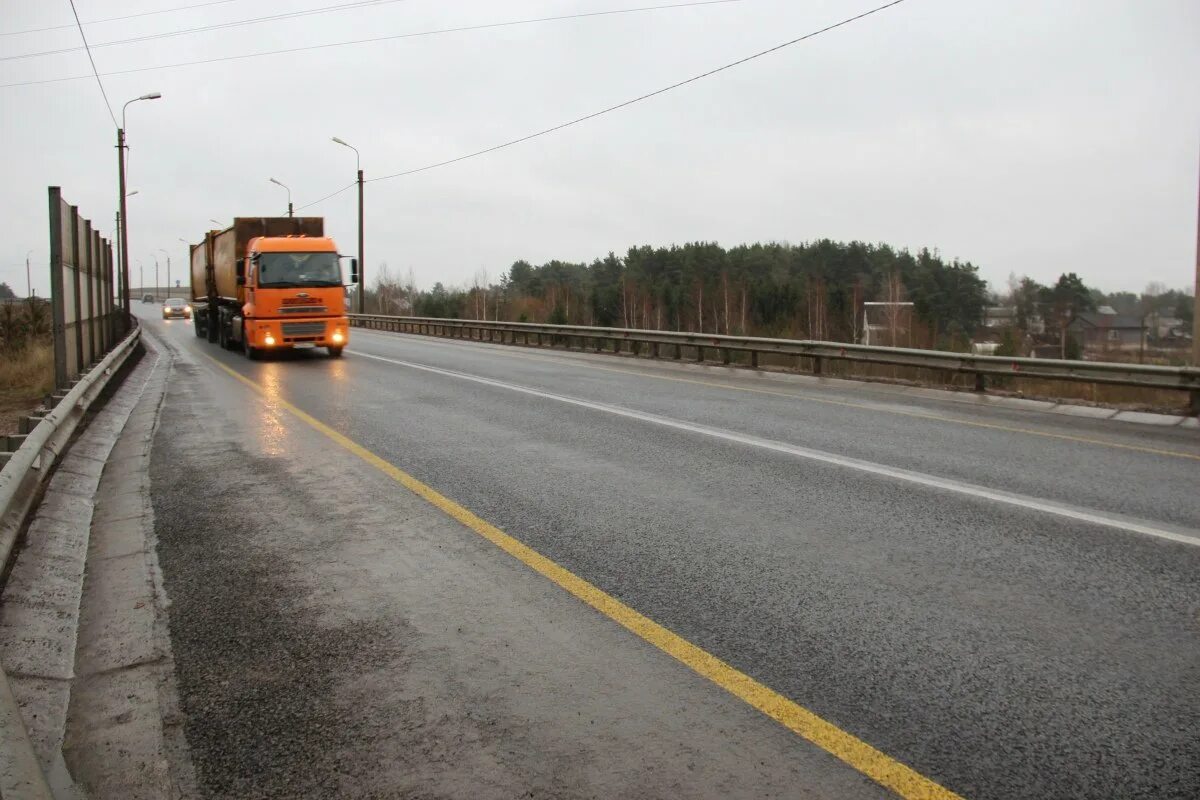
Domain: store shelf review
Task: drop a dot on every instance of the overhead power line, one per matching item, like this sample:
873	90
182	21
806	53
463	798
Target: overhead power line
640	98
95	72
438	32
214	27
117	19
618	106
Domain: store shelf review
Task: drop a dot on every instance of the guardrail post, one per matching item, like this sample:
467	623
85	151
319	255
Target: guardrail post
678	352
616	345
980	382
754	359
699	354
598	342
654	349
816	365
635	347
725	356
1194	394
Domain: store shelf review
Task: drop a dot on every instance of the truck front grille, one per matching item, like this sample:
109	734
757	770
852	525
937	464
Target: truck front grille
303	328
304	310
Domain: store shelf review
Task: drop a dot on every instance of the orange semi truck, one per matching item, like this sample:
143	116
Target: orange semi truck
270	283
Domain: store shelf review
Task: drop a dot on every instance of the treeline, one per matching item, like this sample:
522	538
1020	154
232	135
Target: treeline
813	290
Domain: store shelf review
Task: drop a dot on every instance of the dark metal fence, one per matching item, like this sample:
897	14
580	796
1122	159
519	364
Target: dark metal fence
699	346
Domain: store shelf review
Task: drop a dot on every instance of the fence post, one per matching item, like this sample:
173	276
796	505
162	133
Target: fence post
58	318
77	256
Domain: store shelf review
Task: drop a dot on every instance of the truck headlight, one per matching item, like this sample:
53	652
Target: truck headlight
269	340
338	337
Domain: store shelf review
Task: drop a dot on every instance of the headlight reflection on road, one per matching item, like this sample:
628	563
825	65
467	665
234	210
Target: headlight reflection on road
273	432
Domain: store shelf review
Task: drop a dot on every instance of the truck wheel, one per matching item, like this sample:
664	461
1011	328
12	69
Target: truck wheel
334	352
222	336
212	328
196	324
250	351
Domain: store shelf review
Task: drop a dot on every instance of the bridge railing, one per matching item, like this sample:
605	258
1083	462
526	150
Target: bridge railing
700	345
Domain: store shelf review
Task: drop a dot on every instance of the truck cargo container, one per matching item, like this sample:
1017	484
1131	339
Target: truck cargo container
270	283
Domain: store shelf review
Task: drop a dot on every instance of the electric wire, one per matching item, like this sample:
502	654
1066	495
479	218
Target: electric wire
238	23
639	99
437	32
117	19
625	104
95	72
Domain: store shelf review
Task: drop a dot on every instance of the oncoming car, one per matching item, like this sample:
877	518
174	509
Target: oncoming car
176	307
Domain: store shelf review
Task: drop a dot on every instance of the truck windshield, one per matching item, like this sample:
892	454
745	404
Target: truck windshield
299	269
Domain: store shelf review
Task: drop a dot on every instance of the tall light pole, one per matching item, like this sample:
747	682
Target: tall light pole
124	217
289	191
141	277
28	281
168	255
155	278
217	222
362	265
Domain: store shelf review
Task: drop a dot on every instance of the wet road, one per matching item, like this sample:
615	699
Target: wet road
1005	601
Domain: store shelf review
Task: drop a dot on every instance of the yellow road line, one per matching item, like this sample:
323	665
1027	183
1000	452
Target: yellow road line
878	766
850	404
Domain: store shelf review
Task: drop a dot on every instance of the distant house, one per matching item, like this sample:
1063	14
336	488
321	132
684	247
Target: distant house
1001	317
1162	326
1101	330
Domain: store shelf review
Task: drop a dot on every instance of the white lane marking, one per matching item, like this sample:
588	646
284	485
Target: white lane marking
923	479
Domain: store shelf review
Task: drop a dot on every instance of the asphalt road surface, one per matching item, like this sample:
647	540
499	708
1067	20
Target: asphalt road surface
1005	601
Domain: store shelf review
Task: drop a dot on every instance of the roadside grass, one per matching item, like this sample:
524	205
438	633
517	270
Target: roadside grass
26	376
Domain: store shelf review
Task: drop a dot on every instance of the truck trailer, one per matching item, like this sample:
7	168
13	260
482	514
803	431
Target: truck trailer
270	283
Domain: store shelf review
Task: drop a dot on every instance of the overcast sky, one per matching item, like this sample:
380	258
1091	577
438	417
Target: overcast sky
1027	136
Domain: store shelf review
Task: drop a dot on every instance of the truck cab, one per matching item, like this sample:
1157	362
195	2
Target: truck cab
294	295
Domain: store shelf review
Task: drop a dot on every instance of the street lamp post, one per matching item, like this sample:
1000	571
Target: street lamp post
156	278
362	265
28	281
168	255
124	232
289	191
141	277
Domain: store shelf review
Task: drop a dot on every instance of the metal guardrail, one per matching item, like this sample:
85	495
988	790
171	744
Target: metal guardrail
38	447
981	367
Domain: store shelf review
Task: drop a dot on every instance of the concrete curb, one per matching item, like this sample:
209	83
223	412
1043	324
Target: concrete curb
41	596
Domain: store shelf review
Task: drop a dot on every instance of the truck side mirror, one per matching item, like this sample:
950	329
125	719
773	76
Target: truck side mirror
241	273
354	270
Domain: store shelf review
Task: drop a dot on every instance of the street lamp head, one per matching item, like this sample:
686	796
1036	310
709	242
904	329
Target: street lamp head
151	96
277	183
339	141
131	194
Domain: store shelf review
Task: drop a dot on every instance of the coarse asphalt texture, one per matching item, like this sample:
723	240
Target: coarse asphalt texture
998	649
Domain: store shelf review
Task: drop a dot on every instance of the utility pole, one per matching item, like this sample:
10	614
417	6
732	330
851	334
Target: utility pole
1196	299
362	265
124	217
123	231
